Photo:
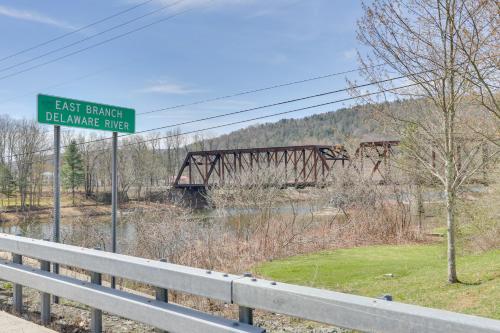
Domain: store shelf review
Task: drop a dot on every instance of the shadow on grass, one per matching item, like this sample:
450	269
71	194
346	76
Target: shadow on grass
477	283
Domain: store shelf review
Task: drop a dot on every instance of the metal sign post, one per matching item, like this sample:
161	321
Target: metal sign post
57	195
114	198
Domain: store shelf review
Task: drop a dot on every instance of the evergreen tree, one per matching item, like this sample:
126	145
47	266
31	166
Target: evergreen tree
72	170
7	182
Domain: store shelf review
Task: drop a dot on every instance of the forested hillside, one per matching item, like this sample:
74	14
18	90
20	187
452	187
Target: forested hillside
326	128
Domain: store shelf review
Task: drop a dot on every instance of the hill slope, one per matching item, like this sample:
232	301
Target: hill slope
325	128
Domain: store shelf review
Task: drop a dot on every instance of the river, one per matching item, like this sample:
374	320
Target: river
41	228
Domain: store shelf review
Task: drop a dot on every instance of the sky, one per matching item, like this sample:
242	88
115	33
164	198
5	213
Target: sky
200	50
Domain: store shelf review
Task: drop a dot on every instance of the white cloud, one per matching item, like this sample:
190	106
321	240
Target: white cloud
350	54
33	17
168	88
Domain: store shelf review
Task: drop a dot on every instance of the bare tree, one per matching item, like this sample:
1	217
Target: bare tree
29	138
173	155
164	233
447	49
91	161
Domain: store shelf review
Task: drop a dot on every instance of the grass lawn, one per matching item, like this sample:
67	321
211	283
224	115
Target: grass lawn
419	275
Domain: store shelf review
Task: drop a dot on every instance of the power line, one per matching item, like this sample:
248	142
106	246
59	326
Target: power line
101	43
268	105
276	114
241	121
234	112
215	98
258	90
75	31
240	111
76	79
262	107
91	36
204	101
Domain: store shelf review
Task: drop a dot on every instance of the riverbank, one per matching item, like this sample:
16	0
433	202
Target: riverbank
85	207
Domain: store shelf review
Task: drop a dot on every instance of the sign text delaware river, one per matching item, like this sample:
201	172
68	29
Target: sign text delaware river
75	113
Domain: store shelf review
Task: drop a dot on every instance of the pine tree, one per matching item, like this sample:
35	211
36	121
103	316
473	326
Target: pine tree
72	170
7	182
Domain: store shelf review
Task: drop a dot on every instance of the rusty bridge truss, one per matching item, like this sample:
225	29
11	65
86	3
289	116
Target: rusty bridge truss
300	165
375	157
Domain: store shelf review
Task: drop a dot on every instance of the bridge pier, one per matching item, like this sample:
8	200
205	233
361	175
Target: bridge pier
190	196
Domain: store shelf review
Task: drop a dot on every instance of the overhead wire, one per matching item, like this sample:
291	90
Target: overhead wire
213	99
66	82
235	112
245	120
247	92
204	101
253	109
74	31
169	17
277	114
270	105
247	110
91	36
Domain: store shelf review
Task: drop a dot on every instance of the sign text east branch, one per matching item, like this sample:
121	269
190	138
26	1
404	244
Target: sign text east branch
75	113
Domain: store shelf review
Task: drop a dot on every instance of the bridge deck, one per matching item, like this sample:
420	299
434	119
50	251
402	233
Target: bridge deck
13	324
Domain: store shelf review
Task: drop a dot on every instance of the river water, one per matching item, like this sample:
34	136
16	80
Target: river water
41	228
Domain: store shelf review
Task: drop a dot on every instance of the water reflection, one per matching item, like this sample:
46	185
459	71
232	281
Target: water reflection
41	228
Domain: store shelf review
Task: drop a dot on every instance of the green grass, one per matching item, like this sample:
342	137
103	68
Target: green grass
419	276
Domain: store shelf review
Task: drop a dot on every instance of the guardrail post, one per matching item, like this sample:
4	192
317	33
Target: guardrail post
55	269
96	314
245	313
44	297
162	296
162	293
17	288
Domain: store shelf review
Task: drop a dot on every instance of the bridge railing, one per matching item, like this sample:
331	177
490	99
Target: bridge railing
343	310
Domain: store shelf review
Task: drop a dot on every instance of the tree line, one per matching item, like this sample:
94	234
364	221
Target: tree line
145	163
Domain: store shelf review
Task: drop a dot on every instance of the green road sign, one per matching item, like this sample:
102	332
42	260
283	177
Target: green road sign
74	113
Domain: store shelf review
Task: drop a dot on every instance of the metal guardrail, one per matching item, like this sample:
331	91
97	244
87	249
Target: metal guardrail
344	310
166	316
156	273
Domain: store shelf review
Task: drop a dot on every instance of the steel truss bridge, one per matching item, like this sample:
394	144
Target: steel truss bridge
300	166
376	157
